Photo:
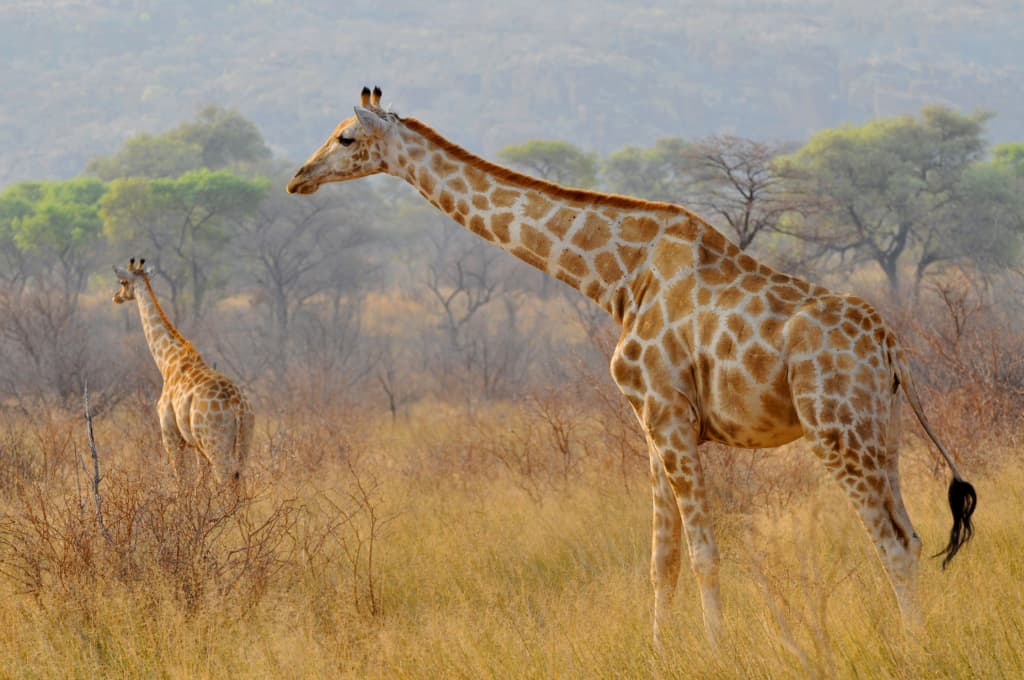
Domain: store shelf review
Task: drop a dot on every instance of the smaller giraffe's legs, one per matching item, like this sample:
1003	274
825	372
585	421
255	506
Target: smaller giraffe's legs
223	441
174	444
672	429
177	455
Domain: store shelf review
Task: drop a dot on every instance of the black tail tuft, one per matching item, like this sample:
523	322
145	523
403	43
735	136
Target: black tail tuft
962	501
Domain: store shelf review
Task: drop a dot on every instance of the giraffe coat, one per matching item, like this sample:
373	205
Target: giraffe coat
199	407
714	346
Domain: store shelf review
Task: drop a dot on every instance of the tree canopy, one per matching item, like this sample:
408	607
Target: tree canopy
888	191
216	138
183	224
559	162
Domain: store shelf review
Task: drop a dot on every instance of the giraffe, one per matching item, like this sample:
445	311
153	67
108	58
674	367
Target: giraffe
198	406
714	346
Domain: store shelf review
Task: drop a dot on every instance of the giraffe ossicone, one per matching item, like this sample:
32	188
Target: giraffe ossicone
715	346
199	408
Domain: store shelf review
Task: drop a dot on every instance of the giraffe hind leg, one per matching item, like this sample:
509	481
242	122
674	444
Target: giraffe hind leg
869	476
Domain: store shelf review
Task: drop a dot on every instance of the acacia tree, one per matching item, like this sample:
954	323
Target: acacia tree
147	155
16	203
664	172
183	226
886	192
50	233
216	138
559	162
52	230
1009	157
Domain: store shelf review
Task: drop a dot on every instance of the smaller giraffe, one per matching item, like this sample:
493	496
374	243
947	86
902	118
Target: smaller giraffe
199	407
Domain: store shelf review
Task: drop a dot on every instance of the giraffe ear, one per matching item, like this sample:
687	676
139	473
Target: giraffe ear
371	122
123	274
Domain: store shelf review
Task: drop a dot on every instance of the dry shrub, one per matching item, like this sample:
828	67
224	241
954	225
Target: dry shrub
343	536
749	481
204	547
970	368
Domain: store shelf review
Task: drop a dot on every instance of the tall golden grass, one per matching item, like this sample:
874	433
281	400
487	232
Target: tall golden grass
511	542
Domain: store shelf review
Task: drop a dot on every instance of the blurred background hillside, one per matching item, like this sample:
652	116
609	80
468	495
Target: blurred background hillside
81	76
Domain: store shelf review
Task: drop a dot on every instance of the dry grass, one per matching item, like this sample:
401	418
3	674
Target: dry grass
507	544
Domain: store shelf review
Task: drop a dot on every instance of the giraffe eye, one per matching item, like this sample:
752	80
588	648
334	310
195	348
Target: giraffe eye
345	141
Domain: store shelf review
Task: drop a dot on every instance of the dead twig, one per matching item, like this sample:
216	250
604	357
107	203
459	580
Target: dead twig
95	471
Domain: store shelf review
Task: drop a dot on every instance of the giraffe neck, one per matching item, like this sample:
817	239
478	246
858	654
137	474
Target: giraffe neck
597	243
165	342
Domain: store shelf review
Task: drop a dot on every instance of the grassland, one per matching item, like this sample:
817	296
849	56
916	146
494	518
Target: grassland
450	544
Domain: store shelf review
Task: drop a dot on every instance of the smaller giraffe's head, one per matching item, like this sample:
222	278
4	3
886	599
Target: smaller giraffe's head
128	278
355	149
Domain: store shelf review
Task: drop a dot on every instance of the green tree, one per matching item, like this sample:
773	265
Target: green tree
216	138
886	192
50	236
1010	157
559	162
51	230
664	172
182	226
16	203
985	221
148	156
224	137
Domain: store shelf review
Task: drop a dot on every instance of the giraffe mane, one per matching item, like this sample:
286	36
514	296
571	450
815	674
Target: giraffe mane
163	316
535	183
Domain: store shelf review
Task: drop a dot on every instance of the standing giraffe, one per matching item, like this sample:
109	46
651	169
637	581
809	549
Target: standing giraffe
714	346
198	407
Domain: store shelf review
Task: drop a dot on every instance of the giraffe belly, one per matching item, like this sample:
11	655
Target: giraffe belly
738	412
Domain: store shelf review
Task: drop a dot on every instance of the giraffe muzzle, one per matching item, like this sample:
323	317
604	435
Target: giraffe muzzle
301	185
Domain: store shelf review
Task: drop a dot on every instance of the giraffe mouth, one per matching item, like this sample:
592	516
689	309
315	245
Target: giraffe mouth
299	185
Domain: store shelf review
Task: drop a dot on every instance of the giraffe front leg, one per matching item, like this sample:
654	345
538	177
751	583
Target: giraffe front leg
666	542
673	432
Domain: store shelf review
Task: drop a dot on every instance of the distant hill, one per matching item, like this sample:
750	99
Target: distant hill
79	76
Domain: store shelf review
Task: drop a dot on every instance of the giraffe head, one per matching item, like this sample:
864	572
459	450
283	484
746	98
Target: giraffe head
128	278
356	148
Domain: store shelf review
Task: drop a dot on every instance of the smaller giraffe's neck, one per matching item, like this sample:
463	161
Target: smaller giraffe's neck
596	243
165	342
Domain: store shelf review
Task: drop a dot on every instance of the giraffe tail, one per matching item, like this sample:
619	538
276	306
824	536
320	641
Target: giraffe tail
243	442
962	497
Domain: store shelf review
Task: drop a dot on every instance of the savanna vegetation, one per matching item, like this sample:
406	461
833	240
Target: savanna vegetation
445	481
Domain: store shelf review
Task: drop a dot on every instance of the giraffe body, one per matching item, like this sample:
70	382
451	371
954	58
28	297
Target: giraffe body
714	345
199	408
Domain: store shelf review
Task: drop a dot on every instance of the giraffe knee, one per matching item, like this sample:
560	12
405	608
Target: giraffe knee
704	561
